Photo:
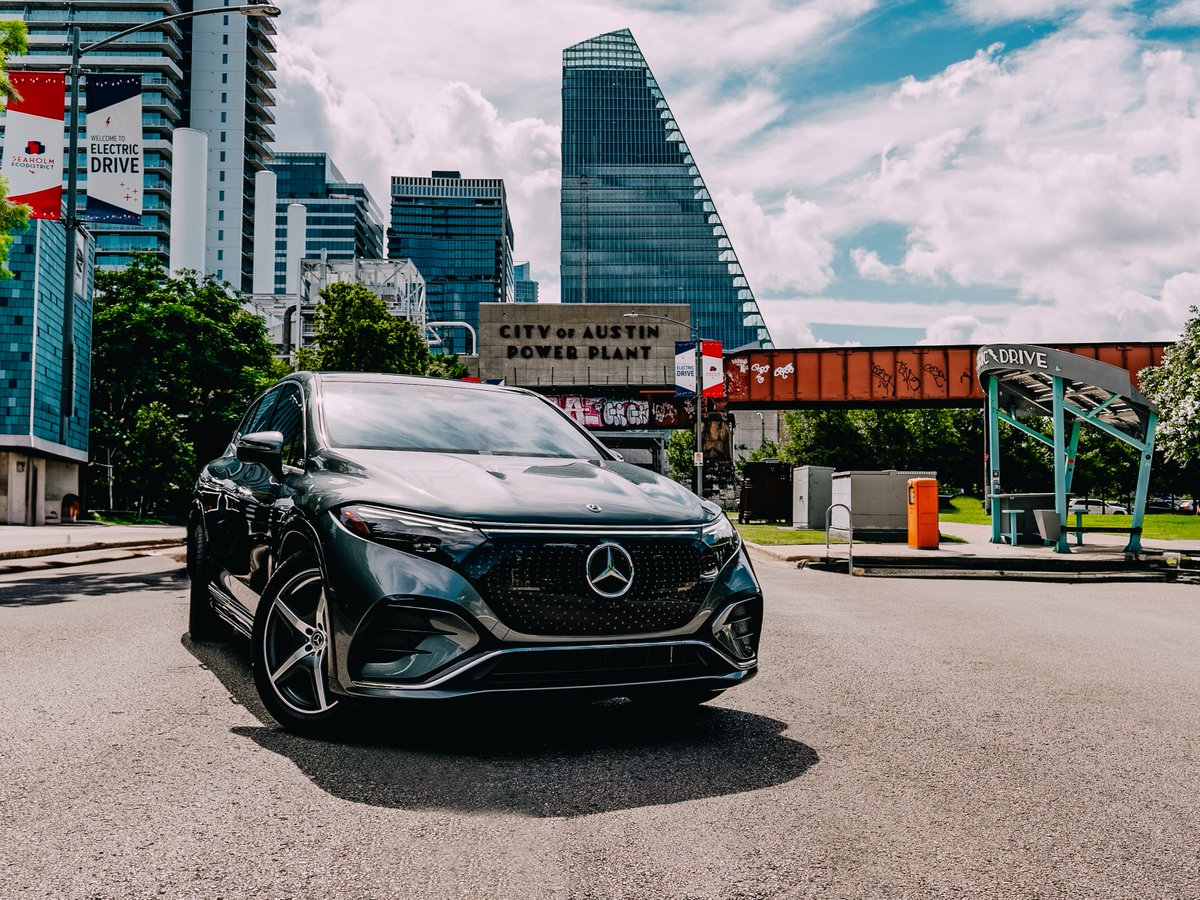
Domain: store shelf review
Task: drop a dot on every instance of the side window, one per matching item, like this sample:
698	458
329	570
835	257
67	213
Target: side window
259	415
288	419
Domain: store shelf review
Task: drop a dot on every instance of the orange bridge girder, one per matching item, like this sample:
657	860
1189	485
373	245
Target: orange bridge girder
868	376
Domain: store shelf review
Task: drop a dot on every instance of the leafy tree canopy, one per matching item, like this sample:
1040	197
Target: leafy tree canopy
1174	387
183	343
356	333
12	217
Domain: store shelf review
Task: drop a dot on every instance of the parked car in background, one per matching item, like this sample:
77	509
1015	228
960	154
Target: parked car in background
1090	506
380	537
1188	507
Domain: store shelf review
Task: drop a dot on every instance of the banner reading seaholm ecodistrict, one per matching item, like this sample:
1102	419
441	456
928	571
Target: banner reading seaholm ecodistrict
33	142
685	369
114	149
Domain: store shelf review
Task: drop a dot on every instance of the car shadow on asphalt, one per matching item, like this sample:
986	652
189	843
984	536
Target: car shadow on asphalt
530	759
42	589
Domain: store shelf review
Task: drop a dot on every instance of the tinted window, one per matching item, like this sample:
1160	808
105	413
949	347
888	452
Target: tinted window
448	418
288	419
259	415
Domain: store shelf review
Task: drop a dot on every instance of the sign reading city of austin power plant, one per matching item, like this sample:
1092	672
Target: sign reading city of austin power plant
33	143
114	149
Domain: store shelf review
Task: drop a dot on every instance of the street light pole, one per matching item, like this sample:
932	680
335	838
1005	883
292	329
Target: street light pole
694	331
71	219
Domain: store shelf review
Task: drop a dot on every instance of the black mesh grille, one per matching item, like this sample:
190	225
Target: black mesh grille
608	665
540	586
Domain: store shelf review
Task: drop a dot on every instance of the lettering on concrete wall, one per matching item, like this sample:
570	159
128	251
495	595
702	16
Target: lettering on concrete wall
573	343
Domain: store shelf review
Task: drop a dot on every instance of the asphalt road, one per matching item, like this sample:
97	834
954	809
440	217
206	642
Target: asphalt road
906	738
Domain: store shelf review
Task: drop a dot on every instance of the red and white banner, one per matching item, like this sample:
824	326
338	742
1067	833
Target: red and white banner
33	142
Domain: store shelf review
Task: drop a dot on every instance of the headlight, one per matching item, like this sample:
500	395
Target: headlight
413	533
722	539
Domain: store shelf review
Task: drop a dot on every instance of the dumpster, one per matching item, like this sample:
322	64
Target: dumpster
923	513
766	492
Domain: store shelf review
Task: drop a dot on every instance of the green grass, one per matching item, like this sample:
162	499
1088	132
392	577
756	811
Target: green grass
1160	526
967	511
774	535
119	518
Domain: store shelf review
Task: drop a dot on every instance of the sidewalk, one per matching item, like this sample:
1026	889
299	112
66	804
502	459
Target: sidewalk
1100	556
24	548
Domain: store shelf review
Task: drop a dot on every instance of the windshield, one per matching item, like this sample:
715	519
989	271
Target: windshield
447	418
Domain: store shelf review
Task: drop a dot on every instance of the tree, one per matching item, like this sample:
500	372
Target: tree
12	217
184	343
355	332
1174	386
680	447
161	461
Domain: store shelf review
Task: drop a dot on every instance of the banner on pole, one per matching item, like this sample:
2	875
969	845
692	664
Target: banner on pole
685	368
33	142
114	149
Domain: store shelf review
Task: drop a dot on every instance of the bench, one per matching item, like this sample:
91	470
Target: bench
1079	528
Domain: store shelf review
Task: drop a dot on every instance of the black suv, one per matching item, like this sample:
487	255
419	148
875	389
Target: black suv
381	536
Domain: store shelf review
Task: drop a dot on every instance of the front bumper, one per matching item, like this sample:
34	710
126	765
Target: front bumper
383	598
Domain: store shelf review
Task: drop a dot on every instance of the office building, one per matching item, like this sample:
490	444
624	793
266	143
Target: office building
342	220
525	289
458	234
38	468
638	222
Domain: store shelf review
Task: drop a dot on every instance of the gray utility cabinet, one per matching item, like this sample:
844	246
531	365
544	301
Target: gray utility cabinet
878	503
812	492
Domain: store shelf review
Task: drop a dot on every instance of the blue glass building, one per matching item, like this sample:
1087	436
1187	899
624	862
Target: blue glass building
344	221
525	288
37	467
638	223
458	234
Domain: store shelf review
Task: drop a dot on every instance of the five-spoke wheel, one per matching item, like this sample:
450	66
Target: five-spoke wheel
291	648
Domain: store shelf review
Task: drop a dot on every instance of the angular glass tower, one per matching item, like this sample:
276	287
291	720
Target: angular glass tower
638	224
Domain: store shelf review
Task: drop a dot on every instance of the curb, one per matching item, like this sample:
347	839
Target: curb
80	557
30	553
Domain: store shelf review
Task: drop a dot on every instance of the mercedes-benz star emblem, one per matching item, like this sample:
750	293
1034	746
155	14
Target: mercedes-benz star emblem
610	571
593	507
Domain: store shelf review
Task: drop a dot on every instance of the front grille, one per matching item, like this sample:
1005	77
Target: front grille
540	586
597	666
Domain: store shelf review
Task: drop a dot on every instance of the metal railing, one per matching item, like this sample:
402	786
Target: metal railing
849	527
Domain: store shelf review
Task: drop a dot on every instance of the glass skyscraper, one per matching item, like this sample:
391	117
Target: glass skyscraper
343	219
638	224
458	234
526	287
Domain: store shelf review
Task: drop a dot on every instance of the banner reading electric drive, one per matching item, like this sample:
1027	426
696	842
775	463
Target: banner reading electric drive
33	142
114	149
685	368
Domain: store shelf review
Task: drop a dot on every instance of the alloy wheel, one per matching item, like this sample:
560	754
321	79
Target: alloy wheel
296	644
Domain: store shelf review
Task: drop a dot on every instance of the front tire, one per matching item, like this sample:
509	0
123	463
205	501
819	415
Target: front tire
290	650
203	622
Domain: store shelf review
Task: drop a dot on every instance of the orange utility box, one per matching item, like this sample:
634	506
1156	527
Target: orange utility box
923	513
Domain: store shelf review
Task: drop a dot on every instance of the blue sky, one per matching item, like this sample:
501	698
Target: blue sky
889	172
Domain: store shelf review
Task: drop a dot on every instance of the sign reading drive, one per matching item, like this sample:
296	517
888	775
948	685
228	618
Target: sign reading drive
114	149
685	369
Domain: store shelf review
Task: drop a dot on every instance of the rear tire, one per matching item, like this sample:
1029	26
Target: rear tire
203	622
290	650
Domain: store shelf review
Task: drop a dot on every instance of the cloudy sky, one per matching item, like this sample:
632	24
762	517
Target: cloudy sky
889	171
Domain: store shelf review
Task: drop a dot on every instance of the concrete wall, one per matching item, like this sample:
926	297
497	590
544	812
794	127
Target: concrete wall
47	480
573	344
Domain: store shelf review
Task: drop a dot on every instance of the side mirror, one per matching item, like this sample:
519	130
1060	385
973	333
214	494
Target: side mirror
265	447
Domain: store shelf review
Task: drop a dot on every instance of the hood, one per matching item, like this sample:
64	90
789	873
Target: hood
511	489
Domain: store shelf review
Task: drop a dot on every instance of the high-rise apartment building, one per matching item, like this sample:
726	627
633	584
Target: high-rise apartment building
230	98
458	234
638	222
525	289
159	55
342	219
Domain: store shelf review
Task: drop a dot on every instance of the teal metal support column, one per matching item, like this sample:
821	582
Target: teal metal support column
1143	486
1060	465
1071	451
993	429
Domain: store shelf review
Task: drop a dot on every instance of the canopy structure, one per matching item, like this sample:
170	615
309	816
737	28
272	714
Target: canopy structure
1025	379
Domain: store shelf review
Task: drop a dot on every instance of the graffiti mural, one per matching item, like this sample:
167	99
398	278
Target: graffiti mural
606	412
